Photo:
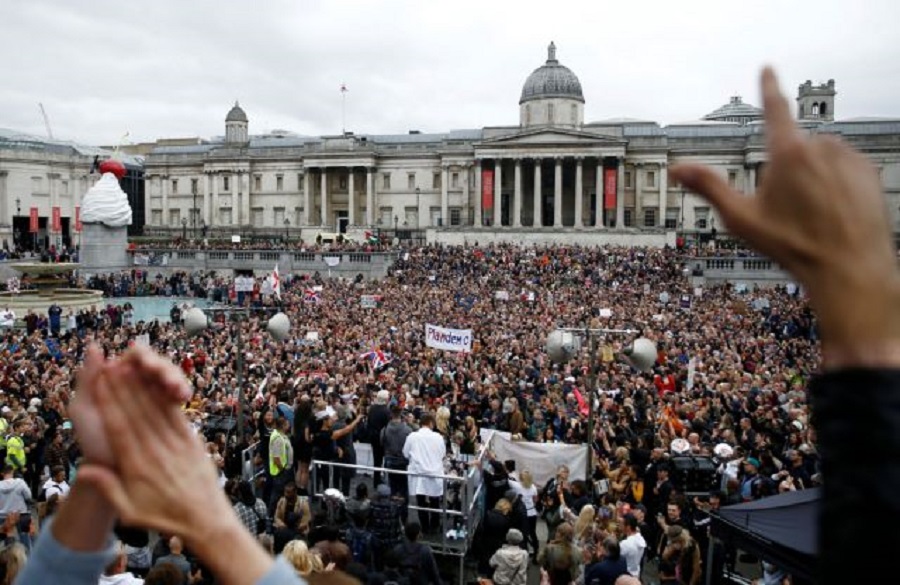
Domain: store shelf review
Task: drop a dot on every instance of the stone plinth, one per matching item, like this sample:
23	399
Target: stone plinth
103	249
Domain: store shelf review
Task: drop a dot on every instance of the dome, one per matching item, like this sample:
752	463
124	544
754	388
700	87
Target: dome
735	111
551	80
236	114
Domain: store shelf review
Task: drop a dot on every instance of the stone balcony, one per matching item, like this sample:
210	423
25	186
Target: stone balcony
749	270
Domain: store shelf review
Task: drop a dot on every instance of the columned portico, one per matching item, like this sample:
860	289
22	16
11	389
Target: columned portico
478	221
445	202
370	196
496	218
351	196
307	199
537	220
599	203
620	193
323	191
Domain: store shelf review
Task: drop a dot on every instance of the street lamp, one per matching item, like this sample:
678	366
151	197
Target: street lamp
203	227
396	221
184	223
564	343
418	209
196	321
287	225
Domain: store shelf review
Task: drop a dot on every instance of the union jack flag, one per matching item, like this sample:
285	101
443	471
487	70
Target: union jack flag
310	296
378	358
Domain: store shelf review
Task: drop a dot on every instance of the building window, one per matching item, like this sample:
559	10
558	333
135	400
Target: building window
549	113
174	217
436	181
411	217
226	186
174	186
815	110
384	217
455	216
411	181
629	217
672	218
156	217
256	215
454	180
651	179
299	181
279	182
732	178
279	217
195	186
823	109
701	217
386	181
257	183
225	215
649	216
342	183
628	184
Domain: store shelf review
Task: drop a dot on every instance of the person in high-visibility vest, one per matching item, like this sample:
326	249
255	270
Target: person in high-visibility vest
4	429
16	456
281	459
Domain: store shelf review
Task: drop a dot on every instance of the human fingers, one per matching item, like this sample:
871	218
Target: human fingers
111	488
154	369
93	362
781	130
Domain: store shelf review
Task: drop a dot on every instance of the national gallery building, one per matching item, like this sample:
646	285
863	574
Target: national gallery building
553	177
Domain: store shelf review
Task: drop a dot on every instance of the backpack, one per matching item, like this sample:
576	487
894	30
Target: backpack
360	543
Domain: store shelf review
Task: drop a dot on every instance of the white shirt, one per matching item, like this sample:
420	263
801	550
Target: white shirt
528	495
425	451
7	318
51	487
632	550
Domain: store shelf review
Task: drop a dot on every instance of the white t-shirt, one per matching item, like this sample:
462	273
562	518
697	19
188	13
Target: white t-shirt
528	495
51	487
632	550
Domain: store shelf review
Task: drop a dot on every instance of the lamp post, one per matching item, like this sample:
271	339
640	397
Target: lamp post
396	222
196	321
203	227
564	343
287	226
418	209
184	223
194	211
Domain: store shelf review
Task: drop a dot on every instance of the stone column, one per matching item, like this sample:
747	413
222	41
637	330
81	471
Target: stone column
598	206
663	192
517	203
620	193
477	220
149	184
164	191
370	196
445	197
324	194
538	207
351	198
244	184
205	214
751	179
496	218
235	200
579	192
557	193
466	187
638	199
307	198
214	178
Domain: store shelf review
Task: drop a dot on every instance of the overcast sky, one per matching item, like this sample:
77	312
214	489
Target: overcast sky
173	68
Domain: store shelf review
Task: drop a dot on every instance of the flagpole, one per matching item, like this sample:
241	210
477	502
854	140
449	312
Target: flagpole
343	108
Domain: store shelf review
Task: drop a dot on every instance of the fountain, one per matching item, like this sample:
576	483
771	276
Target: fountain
52	286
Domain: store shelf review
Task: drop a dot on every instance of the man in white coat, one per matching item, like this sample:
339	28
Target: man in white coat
425	450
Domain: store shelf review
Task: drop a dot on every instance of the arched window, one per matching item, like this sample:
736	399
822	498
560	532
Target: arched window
549	113
815	110
823	109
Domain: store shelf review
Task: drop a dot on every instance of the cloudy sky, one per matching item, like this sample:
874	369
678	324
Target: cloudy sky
173	68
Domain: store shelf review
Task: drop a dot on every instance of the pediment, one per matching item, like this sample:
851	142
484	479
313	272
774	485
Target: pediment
553	136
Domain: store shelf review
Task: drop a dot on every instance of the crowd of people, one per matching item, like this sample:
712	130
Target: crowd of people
731	382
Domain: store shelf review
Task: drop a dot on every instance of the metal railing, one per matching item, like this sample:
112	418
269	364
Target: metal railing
462	502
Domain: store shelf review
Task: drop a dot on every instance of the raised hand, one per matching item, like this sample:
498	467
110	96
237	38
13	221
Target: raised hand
820	212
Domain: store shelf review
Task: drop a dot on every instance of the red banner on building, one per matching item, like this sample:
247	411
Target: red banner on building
33	221
487	189
609	188
78	219
56	220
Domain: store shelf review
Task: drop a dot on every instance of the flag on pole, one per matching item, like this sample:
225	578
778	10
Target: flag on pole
371	238
276	282
344	88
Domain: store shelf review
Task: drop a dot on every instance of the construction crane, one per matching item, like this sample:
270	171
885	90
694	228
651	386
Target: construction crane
46	121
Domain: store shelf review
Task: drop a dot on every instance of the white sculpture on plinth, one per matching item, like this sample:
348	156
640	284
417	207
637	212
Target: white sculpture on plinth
106	202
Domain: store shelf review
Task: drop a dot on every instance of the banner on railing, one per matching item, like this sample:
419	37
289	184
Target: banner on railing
542	459
448	339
